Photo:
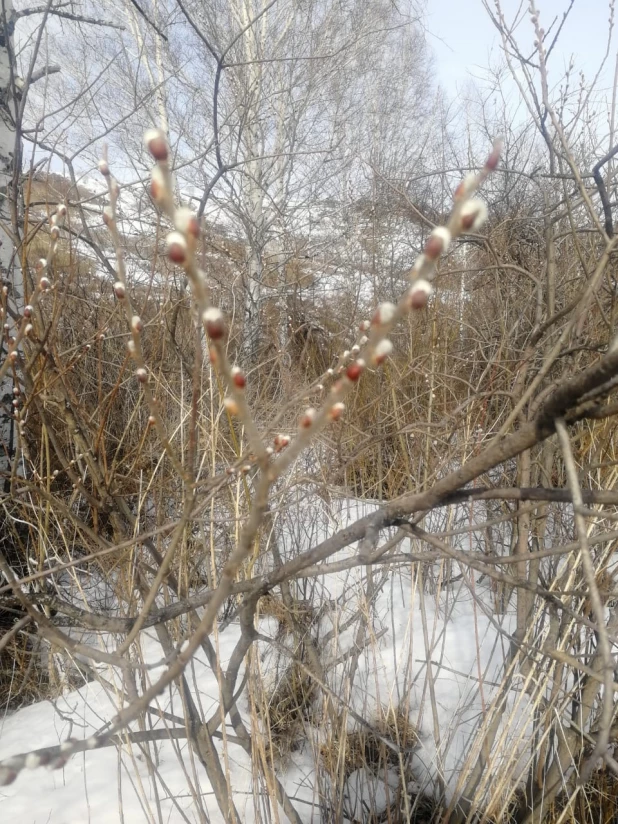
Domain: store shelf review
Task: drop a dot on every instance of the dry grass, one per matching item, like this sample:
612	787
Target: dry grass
369	746
301	614
595	803
286	710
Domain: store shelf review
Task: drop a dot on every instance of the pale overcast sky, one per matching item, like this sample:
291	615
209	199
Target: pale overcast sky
463	38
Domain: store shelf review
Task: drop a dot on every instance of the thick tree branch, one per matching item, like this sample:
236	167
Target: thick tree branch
67	15
598	179
540	493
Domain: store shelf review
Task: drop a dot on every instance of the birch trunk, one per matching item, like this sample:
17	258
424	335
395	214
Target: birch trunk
9	263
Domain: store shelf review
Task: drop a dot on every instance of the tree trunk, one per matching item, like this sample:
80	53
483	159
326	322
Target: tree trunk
255	273
9	266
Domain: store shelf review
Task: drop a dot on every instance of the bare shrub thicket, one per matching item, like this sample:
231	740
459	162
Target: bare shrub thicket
235	407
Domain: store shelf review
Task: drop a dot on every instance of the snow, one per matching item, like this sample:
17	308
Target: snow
84	789
444	670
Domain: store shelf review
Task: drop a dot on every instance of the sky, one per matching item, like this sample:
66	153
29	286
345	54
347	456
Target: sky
464	40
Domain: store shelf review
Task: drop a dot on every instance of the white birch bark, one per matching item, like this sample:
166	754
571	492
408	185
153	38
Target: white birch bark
9	263
254	149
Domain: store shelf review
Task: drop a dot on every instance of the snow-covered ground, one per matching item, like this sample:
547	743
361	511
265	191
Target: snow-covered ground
459	643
